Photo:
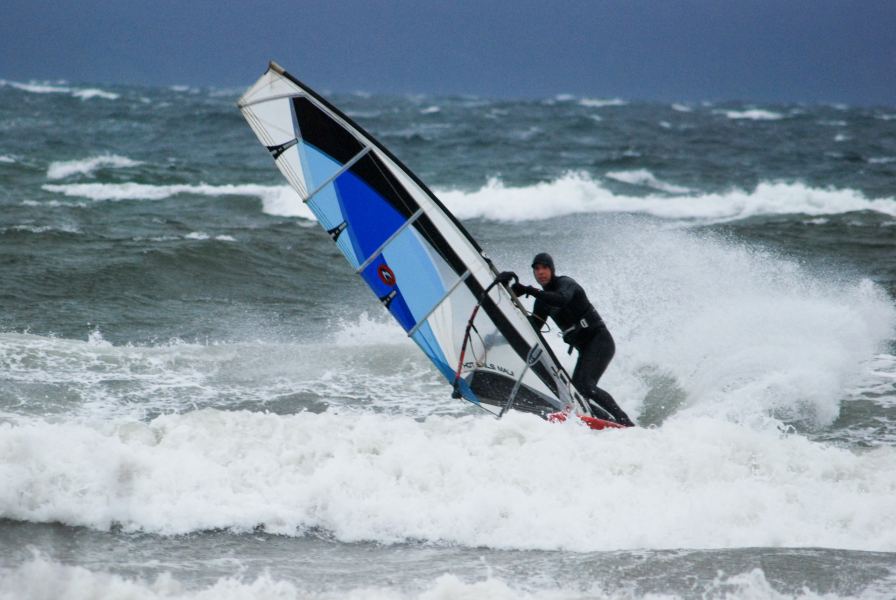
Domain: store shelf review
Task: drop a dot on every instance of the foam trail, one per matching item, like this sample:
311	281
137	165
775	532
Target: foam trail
202	236
279	200
44	579
63	169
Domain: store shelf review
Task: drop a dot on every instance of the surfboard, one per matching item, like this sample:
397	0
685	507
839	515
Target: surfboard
418	260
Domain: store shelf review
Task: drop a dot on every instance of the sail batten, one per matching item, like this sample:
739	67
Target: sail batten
342	170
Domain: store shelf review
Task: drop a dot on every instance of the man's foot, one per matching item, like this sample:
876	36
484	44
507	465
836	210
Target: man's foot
608	404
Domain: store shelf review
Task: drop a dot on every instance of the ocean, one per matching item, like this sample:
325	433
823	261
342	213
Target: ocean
199	399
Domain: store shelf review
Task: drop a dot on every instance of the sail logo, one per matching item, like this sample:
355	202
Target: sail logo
386	274
490	367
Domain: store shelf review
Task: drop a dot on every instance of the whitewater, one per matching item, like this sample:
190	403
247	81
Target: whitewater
198	398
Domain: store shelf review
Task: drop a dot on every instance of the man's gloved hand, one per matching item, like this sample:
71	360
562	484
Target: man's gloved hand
506	277
523	290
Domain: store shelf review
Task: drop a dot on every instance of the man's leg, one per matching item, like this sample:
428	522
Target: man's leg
594	358
603	399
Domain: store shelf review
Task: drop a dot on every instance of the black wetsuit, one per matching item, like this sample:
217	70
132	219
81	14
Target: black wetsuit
566	303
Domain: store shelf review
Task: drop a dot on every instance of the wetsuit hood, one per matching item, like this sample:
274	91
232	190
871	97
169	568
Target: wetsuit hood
543	258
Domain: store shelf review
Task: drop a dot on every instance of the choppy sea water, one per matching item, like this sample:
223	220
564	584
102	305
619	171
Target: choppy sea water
199	399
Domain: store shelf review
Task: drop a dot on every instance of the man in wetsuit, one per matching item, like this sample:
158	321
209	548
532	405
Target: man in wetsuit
564	300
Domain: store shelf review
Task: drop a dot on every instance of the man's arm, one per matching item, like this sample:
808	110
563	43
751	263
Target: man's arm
539	315
566	289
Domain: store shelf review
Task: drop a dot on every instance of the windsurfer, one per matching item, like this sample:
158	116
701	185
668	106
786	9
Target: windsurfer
564	300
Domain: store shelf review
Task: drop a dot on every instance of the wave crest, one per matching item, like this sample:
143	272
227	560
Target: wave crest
471	481
577	193
63	169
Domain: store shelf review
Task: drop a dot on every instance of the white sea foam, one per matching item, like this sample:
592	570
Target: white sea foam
5	158
278	200
46	88
474	481
882	160
43	228
430	110
337	370
577	193
753	114
738	332
367	330
160	375
601	103
87	94
648	179
202	236
727	331
44	579
87	166
571	194
38	88
879	380
682	108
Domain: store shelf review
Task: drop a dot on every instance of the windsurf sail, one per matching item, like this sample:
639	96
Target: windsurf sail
415	256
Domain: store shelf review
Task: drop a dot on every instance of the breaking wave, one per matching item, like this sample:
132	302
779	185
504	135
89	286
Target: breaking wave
47	88
279	200
471	481
754	114
577	193
63	169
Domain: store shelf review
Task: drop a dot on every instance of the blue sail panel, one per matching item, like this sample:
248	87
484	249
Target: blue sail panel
381	280
317	166
328	212
370	217
416	275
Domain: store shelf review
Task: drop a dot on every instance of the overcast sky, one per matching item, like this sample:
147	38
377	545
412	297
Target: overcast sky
762	51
